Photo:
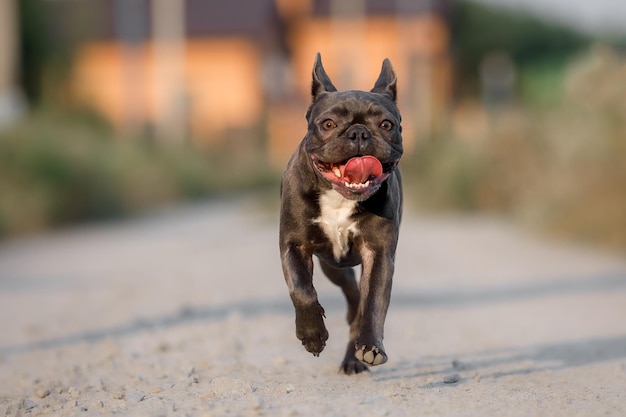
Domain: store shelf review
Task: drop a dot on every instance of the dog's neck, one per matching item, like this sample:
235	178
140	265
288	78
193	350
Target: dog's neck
337	222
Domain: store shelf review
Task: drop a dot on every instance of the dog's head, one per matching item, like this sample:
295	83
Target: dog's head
354	137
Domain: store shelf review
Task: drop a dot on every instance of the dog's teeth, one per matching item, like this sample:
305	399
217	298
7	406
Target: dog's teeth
337	172
356	185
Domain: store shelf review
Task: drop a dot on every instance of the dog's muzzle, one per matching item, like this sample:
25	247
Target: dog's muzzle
356	178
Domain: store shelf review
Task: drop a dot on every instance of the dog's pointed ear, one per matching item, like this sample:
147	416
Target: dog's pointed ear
386	83
321	81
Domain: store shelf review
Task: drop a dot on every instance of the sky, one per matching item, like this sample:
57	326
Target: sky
595	16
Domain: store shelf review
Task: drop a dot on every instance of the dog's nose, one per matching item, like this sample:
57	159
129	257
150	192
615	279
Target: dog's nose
358	132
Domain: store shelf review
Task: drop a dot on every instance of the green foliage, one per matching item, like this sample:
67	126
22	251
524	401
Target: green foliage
478	30
35	47
541	85
58	170
49	34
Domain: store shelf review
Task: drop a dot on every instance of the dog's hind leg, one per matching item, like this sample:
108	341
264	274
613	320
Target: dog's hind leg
345	278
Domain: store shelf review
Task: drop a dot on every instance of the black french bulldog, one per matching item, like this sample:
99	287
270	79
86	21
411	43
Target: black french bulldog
341	200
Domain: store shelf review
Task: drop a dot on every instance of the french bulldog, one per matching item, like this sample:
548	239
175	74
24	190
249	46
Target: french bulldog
341	200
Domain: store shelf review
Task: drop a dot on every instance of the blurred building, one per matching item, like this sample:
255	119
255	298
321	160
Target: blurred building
196	69
211	54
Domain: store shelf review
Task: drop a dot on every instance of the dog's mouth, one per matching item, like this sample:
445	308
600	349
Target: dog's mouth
356	175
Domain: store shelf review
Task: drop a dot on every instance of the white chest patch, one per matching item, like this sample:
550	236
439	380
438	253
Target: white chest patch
336	221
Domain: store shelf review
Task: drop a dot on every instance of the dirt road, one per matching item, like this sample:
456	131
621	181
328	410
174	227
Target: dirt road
185	313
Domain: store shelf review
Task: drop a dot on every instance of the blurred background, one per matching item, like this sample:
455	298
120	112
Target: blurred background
111	107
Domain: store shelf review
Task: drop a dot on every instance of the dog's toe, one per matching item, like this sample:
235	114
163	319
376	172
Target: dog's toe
371	355
315	346
353	366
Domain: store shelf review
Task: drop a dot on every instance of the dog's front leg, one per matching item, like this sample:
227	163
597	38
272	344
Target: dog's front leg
298	269
375	288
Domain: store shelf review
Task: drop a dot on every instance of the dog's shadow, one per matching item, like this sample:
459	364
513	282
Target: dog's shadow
508	362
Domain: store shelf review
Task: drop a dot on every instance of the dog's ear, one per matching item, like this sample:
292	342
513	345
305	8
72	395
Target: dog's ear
386	83
321	81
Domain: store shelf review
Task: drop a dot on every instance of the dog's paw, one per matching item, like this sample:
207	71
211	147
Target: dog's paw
351	366
310	328
371	355
315	343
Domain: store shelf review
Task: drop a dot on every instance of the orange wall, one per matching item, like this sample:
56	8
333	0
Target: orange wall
223	78
221	82
99	80
359	47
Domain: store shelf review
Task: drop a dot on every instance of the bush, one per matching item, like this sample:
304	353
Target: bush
560	169
58	170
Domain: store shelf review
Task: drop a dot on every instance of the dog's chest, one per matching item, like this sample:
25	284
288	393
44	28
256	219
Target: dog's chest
337	222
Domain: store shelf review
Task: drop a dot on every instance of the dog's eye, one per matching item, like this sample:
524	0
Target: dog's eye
328	124
386	125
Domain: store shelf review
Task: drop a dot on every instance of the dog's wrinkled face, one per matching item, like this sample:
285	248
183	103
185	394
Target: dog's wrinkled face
354	137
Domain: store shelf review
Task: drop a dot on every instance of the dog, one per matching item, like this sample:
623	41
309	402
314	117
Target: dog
341	200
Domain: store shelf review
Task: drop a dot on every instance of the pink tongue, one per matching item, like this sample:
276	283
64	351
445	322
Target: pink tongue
360	169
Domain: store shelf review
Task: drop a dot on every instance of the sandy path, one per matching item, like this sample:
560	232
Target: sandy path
186	313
